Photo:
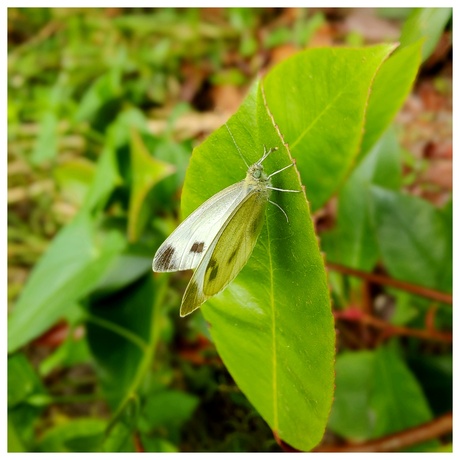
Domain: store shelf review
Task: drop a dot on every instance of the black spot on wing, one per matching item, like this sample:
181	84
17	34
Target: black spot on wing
232	256
166	256
214	269
197	247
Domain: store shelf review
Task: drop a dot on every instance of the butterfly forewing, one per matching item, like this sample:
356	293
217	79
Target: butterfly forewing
185	247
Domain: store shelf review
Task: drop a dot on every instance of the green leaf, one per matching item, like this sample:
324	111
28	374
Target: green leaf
272	326
376	394
119	434
146	173
118	335
104	89
23	385
72	265
70	353
107	176
78	435
415	239
125	269
427	23
353	241
23	381
391	87
351	415
318	99
166	411
435	374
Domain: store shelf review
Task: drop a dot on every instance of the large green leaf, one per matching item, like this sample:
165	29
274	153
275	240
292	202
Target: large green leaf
376	394
73	264
319	99
414	237
273	325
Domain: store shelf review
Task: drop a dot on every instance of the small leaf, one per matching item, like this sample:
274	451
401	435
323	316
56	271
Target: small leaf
415	239
104	89
71	352
22	380
125	269
119	434
426	23
376	394
79	435
390	89
435	373
146	173
167	411
107	175
353	241
23	384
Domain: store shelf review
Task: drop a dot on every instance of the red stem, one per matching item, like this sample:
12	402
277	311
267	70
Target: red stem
398	441
387	281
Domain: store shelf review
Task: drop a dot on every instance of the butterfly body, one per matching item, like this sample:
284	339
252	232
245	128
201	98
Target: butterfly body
217	239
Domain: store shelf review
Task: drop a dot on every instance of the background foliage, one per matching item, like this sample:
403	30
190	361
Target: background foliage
104	109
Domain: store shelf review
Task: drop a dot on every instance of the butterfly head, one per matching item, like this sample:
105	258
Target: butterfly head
257	177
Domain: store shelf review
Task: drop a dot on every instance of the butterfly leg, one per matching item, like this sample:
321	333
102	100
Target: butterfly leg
279	207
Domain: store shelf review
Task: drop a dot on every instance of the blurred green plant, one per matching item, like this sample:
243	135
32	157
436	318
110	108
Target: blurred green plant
82	112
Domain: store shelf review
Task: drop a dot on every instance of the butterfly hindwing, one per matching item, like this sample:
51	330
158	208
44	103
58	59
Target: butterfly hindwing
227	254
235	244
185	247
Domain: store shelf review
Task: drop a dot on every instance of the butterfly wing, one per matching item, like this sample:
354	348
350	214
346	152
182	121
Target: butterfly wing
185	247
227	254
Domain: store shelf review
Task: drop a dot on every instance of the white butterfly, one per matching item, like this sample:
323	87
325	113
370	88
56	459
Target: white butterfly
218	237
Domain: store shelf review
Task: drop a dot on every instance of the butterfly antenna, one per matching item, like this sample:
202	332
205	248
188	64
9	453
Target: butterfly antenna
239	151
266	153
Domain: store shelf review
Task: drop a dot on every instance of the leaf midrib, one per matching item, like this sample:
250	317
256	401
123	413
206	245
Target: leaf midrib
272	306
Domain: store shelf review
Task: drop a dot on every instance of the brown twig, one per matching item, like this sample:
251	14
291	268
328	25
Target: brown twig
387	281
359	316
398	441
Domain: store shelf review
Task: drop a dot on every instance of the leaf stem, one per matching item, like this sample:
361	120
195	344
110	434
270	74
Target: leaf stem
398	441
120	330
387	281
390	329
